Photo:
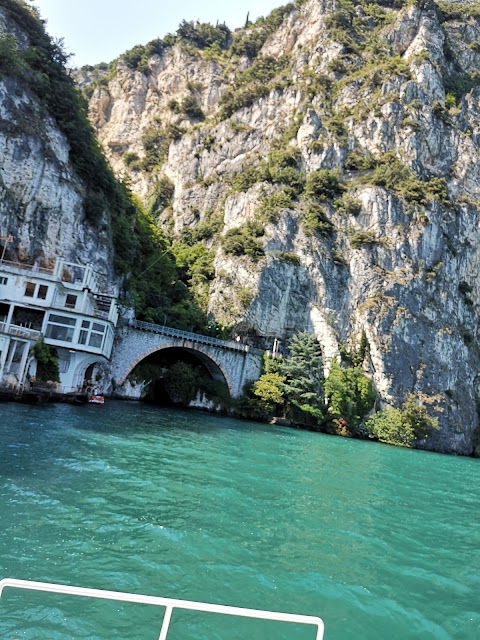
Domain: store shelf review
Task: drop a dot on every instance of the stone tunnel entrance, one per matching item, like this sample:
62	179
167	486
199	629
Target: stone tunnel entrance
219	361
177	376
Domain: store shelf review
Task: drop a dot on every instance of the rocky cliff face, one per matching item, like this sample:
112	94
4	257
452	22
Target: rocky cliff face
41	196
334	178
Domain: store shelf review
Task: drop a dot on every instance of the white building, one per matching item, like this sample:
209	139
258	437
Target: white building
66	307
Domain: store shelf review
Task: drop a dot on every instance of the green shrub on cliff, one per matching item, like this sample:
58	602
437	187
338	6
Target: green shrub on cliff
350	395
390	172
161	195
137	57
47	362
251	84
251	40
323	184
243	240
402	426
191	107
314	218
203	34
11	62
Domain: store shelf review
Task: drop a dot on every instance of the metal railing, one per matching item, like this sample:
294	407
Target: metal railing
187	335
55	272
21	266
169	603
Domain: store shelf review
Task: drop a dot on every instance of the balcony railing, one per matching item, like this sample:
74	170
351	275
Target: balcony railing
59	274
19	331
33	268
169	603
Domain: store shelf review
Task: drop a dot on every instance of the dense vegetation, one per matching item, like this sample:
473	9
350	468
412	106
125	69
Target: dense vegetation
185	381
402	426
294	388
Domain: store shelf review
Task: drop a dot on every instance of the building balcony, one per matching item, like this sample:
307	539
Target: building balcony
25	269
19	331
70	275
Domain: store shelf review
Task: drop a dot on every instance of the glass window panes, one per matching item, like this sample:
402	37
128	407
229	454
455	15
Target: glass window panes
95	340
57	332
62	320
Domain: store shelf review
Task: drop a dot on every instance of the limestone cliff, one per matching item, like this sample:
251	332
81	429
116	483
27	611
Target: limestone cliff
329	161
42	197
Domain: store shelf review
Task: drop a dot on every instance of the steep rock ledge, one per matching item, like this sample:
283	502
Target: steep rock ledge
41	196
361	91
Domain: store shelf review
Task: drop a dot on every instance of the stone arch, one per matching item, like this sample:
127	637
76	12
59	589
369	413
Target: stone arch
208	358
82	366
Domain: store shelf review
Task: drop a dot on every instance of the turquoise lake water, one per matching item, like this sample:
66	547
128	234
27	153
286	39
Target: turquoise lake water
380	542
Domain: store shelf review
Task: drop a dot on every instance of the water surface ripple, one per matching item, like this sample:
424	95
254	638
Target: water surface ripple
380	542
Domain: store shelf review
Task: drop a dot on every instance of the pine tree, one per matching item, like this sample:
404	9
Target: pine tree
303	370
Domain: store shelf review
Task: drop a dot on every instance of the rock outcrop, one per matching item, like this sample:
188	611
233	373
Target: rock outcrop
41	195
340	164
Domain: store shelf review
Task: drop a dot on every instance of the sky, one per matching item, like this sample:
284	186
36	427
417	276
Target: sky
100	30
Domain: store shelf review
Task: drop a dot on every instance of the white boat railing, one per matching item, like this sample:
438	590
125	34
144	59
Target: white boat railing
169	603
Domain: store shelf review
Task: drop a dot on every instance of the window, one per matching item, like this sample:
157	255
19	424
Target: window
62	320
3	280
84	332
60	328
96	335
95	340
92	333
42	292
70	301
33	290
30	290
63	365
